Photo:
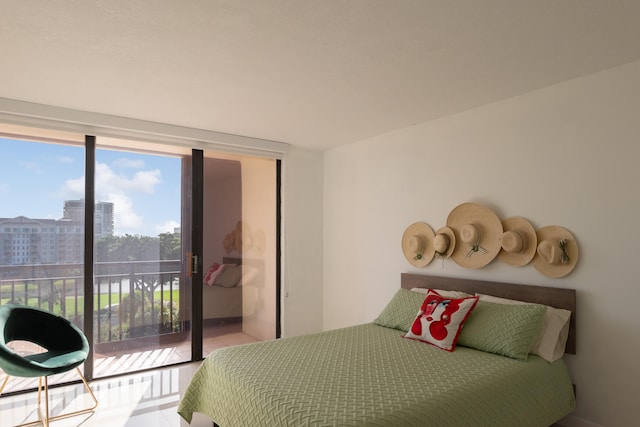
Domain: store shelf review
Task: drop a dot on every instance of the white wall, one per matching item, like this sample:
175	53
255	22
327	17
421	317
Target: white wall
302	243
566	155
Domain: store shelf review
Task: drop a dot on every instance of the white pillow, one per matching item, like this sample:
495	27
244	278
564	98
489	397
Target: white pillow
552	338
442	292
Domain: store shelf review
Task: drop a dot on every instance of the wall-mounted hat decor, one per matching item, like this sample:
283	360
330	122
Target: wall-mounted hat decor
417	244
242	239
478	233
557	251
519	242
444	242
474	236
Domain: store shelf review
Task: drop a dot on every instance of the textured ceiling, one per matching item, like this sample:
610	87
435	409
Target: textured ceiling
310	73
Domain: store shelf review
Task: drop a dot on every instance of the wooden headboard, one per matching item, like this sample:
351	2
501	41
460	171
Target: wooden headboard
554	297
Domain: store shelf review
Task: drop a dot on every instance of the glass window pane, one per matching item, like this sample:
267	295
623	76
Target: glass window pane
140	288
239	260
41	229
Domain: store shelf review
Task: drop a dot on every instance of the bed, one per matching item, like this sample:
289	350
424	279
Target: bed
371	375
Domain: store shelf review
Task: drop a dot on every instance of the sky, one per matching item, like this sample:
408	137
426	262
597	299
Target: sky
36	179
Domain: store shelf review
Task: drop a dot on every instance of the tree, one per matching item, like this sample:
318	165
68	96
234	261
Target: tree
170	246
167	246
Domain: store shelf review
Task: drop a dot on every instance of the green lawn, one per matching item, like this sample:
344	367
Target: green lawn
99	302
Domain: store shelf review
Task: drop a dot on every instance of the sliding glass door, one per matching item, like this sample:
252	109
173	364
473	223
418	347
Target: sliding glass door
141	288
160	253
239	296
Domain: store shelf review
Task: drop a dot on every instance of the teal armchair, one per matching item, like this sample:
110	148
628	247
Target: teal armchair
65	348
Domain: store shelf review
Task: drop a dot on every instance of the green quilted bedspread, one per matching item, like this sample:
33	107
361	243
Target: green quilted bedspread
369	375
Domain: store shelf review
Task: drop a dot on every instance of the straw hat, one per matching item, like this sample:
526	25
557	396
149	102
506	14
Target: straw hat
519	241
478	233
557	252
444	242
417	244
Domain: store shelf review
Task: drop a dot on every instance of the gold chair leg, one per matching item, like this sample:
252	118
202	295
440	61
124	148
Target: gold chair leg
47	418
45	423
4	383
39	389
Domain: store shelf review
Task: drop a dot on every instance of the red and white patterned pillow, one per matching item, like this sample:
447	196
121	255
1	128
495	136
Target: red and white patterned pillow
212	273
440	320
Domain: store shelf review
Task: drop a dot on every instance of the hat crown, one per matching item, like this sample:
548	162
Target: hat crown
512	241
416	244
549	250
470	234
441	243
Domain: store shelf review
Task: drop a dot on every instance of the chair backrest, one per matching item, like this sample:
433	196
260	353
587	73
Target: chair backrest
45	329
55	334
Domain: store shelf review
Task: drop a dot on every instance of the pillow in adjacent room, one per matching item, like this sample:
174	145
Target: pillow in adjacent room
230	276
401	310
212	273
551	341
440	320
504	329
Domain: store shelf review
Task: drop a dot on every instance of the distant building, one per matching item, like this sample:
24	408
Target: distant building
48	241
103	220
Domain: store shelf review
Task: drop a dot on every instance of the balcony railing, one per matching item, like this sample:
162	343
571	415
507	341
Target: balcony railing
132	300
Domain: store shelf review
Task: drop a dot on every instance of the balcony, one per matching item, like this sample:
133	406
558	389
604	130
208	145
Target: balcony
132	300
141	316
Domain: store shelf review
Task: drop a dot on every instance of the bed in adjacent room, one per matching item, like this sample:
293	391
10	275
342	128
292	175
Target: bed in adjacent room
384	373
229	291
222	293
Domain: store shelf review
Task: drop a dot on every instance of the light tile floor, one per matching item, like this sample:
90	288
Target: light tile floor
137	400
145	399
155	356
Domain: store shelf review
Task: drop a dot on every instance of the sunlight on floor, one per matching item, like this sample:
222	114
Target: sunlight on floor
136	400
129	360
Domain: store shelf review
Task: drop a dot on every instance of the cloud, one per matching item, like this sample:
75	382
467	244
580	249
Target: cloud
128	163
65	159
145	181
73	189
167	227
119	189
126	219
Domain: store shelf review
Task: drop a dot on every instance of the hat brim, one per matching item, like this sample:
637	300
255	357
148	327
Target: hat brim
530	242
426	233
490	228
555	232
